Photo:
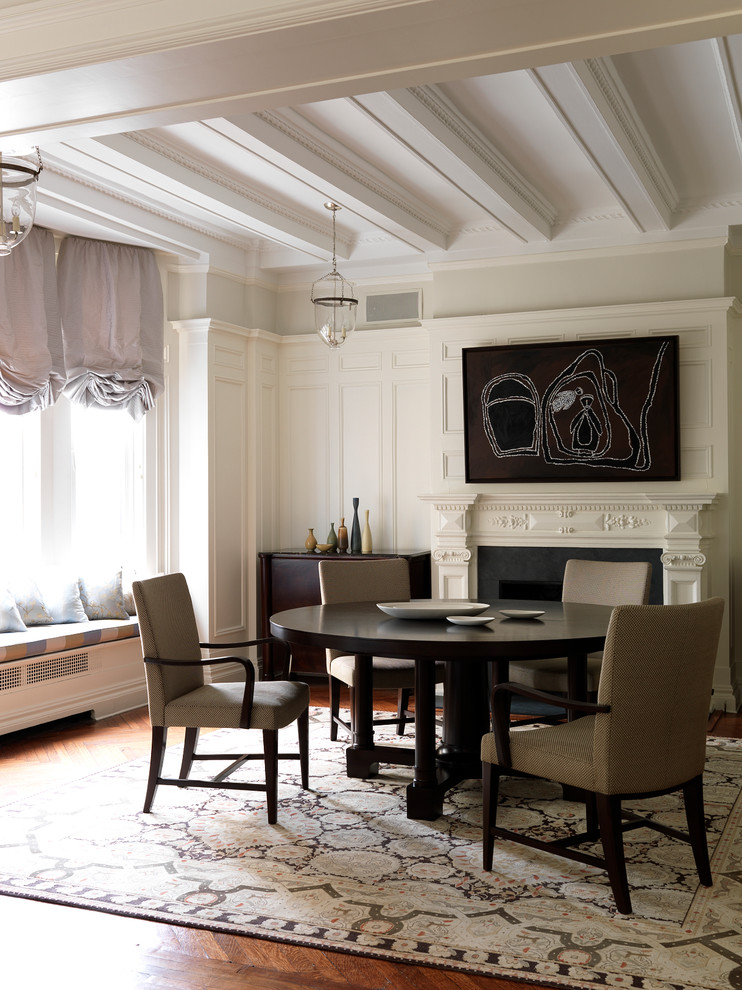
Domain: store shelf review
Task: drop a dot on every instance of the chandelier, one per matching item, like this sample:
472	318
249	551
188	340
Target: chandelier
333	299
17	199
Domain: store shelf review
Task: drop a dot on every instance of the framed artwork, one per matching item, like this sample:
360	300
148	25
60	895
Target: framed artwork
595	410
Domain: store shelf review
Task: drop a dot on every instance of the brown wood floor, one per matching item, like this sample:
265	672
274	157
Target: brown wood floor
46	945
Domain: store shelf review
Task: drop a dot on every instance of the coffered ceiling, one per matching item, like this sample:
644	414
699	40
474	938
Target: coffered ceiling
447	131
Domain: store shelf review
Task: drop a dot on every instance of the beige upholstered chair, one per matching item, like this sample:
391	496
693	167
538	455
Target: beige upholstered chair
591	582
645	736
178	696
368	581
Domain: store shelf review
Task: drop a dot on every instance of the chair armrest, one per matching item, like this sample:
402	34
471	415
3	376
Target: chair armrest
500	708
269	673
249	692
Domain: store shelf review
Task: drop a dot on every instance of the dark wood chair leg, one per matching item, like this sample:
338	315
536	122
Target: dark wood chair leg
693	797
403	703
334	707
157	755
303	726
189	748
591	814
611	835
270	750
490	791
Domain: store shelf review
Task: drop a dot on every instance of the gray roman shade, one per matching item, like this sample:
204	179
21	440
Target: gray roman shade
112	317
31	358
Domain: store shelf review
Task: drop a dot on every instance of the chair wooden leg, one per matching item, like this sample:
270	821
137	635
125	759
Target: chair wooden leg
157	755
611	835
693	797
403	703
189	748
270	750
303	726
334	707
490	791
591	814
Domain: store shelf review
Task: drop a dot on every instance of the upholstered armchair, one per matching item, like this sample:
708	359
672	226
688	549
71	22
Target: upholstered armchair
590	582
645	736
178	695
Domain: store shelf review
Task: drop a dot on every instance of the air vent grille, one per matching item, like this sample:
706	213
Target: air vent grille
393	307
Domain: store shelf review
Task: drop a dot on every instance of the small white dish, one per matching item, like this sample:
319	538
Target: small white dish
520	613
435	608
470	620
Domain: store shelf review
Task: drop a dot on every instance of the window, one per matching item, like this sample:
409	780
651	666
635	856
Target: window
78	490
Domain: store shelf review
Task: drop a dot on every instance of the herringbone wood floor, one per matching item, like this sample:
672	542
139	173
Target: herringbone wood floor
43	945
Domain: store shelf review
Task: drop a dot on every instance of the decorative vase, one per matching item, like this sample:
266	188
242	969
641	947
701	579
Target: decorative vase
342	536
355	530
366	542
332	539
311	542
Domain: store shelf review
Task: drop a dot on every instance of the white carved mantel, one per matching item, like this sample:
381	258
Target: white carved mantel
681	526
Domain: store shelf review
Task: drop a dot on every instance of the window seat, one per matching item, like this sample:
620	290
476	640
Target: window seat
52	671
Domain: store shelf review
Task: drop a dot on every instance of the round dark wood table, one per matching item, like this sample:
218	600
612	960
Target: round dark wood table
564	630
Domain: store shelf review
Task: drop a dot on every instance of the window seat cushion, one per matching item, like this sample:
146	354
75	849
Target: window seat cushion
58	637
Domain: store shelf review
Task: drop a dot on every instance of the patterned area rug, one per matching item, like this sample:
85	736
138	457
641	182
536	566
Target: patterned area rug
345	869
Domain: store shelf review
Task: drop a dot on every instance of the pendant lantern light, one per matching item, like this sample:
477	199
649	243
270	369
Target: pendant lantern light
334	301
18	179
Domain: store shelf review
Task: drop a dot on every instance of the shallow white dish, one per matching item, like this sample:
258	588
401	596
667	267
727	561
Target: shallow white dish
520	613
470	620
431	608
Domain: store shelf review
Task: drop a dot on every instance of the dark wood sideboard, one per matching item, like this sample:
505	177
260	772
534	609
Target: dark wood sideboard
290	579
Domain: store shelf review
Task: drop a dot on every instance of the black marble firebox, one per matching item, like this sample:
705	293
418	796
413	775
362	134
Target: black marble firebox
536	572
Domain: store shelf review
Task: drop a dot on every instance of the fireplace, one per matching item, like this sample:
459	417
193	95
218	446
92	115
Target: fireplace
476	536
536	572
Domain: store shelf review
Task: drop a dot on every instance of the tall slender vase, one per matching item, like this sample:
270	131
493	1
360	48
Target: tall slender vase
311	542
366	542
355	530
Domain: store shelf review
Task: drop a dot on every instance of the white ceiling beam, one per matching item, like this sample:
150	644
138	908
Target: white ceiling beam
165	168
87	67
289	141
593	105
439	136
729	70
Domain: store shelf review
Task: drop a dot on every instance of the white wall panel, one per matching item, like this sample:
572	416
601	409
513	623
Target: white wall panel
305	465
410	522
361	469
228	502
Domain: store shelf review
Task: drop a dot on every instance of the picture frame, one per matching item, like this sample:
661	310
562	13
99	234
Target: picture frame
589	410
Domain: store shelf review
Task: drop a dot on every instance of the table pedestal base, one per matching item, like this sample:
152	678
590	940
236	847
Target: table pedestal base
465	720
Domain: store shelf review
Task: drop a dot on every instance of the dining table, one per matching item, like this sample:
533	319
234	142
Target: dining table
470	653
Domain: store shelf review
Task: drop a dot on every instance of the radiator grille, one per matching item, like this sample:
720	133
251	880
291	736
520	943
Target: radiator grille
55	667
11	678
28	672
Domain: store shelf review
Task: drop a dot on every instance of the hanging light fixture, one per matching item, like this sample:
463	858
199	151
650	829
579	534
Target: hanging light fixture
17	199
333	299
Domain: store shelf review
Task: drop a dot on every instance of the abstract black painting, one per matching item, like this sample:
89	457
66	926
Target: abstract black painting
590	410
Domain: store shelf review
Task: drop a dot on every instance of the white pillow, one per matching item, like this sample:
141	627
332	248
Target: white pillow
62	596
103	597
10	617
30	602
